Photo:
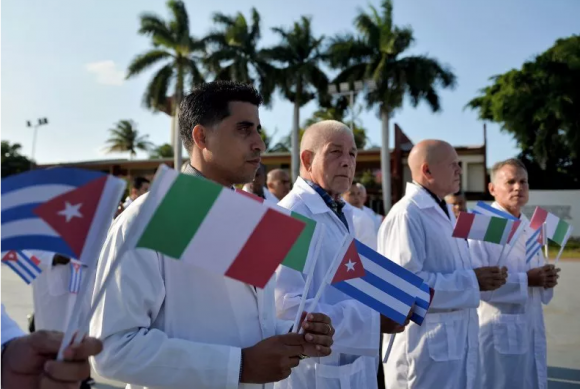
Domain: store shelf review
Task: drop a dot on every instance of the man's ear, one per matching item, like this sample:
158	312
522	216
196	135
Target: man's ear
491	189
307	157
425	171
199	136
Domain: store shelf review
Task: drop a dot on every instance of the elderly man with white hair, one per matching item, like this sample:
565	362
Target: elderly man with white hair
327	165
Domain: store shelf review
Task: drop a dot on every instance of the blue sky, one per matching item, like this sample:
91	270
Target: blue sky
66	60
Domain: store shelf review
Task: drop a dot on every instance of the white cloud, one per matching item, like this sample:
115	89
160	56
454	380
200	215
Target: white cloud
107	72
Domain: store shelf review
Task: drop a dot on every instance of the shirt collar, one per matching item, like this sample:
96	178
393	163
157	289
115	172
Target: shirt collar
335	205
190	170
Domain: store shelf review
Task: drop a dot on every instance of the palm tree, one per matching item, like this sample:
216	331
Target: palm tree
125	137
173	44
162	151
376	55
300	77
234	55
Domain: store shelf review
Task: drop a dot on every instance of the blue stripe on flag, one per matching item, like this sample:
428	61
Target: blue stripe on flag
417	319
533	252
387	264
29	261
389	289
495	211
422	303
25	269
370	302
533	237
51	244
63	176
24	277
19	212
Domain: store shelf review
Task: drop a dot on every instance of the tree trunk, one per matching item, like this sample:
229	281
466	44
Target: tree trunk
386	161
177	158
295	147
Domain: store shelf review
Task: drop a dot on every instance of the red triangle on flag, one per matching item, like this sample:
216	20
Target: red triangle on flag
10	256
351	265
71	214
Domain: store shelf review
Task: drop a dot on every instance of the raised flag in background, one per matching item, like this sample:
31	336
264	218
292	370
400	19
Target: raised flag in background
557	230
380	284
64	210
225	232
482	227
23	263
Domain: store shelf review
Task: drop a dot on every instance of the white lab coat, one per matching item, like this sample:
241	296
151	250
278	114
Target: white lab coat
165	324
512	333
10	329
364	227
377	219
354	359
53	303
443	352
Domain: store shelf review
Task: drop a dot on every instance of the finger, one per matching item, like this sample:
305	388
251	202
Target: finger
323	351
46	342
317	328
292	339
323	340
67	371
319	317
82	351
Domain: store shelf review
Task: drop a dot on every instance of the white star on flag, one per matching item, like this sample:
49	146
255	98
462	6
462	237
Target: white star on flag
350	265
71	211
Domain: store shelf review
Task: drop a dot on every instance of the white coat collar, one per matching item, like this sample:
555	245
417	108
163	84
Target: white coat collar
313	201
495	204
423	200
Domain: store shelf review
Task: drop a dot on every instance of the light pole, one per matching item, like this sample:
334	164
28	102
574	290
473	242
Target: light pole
41	121
344	89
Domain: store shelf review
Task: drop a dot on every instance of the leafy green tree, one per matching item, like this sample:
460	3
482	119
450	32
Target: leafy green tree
162	151
12	161
539	106
126	138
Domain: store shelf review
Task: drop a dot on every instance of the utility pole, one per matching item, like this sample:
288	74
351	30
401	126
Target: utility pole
41	122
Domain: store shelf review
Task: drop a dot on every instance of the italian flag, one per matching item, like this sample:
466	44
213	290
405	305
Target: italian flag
482	227
204	224
557	230
298	256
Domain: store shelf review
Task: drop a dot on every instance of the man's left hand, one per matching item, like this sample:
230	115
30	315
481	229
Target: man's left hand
318	332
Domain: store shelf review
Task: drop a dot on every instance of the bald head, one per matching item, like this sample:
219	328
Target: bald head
278	183
434	165
328	156
363	192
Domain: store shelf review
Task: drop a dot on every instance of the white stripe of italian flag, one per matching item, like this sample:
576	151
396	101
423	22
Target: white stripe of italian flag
482	227
204	224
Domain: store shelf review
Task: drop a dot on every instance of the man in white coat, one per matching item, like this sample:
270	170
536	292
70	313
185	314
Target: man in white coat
512	336
167	325
378	219
364	225
327	165
443	352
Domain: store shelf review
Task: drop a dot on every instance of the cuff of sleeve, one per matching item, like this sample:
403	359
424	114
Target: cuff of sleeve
234	366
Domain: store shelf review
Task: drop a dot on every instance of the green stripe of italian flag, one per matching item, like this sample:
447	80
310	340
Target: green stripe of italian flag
482	227
298	256
204	224
557	230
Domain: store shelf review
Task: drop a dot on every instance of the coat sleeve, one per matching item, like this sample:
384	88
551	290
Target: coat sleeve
402	240
357	327
514	291
136	353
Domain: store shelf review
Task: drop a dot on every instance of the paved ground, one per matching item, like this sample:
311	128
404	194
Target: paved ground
562	323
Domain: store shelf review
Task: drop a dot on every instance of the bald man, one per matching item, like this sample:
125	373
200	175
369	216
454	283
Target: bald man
443	352
327	165
278	183
377	219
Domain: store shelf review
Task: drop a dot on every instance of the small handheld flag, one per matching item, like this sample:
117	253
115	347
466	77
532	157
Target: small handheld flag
557	230
482	227
76	276
64	210
22	263
378	283
422	303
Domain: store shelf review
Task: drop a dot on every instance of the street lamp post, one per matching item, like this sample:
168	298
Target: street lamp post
41	121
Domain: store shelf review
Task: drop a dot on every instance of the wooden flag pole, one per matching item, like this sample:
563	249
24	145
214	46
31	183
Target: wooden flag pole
389	348
309	277
545	238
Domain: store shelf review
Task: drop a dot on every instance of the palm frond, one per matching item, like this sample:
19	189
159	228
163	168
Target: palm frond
180	22
255	29
155	96
152	25
145	60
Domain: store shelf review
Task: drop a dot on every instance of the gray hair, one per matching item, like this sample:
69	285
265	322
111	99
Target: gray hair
516	163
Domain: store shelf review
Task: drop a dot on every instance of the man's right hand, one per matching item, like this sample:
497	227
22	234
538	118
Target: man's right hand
543	277
490	277
272	359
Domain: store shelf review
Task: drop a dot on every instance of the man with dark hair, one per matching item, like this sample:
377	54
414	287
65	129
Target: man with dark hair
165	324
457	202
139	186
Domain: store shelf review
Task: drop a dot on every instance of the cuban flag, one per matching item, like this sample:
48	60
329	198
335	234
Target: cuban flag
535	243
486	209
26	265
422	303
76	276
64	210
379	283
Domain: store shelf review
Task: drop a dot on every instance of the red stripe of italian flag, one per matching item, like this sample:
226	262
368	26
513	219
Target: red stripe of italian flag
482	227
557	230
204	224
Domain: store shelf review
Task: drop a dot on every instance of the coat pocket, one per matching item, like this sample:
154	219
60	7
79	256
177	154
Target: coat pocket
510	334
446	339
358	374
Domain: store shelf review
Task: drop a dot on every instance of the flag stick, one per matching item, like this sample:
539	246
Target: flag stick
568	233
389	348
546	246
320	234
501	255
